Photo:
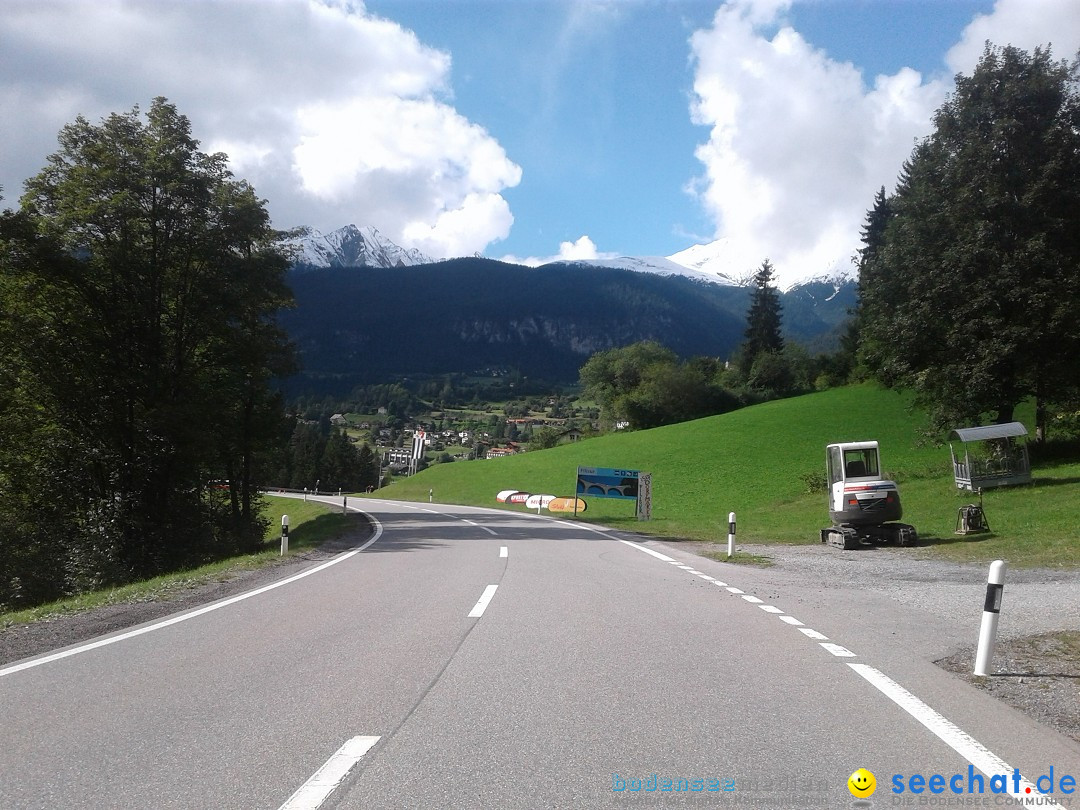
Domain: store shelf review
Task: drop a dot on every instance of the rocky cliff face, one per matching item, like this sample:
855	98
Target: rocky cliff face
352	247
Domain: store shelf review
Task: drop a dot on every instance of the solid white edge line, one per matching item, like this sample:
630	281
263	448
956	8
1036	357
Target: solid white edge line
503	551
325	781
656	554
482	602
962	743
952	735
183	617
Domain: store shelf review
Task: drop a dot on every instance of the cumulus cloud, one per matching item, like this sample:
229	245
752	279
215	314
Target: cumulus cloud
798	142
334	115
1026	24
581	248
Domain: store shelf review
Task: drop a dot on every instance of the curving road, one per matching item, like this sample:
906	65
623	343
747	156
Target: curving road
470	658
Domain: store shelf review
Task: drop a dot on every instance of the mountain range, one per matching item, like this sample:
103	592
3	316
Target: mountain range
393	315
351	247
366	247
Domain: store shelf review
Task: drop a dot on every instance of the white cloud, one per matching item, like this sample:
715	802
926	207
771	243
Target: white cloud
1023	23
334	115
798	143
581	248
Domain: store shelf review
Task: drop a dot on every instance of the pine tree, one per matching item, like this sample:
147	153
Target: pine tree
763	320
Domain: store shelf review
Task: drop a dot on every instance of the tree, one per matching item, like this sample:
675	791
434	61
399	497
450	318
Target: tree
646	385
609	376
142	282
970	297
762	320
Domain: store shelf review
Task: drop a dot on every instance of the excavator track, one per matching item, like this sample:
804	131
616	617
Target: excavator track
841	538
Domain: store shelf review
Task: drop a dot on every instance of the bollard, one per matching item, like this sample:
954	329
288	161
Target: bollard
731	534
284	535
344	504
995	586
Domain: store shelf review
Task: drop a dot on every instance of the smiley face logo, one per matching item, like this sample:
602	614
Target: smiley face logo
862	784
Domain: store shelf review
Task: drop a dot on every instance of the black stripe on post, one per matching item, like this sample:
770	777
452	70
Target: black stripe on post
993	598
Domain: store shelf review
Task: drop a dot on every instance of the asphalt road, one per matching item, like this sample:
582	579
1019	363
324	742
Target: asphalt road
470	658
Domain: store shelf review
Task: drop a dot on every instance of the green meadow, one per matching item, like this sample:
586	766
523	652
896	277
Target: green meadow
758	461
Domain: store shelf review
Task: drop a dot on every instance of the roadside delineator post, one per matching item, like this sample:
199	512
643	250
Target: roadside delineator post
344	504
995	586
284	535
731	534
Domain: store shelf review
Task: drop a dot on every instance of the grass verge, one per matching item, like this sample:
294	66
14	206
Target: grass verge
310	525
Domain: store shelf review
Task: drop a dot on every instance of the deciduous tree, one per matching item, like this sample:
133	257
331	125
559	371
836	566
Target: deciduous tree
971	294
140	283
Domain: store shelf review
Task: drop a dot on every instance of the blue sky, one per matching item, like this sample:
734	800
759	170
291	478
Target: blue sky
529	129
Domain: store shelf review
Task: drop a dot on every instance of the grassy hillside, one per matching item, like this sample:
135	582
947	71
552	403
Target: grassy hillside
754	461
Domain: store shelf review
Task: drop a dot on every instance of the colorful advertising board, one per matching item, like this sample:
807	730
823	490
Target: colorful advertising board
608	482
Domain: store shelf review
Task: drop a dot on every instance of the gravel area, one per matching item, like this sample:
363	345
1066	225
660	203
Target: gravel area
1036	662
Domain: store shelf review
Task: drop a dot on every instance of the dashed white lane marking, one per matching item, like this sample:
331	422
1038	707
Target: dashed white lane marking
838	651
503	551
183	617
471	523
772	609
482	602
960	741
753	600
791	620
732	589
706	577
814	634
721	584
318	788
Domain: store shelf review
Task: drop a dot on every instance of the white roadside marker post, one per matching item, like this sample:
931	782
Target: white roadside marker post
284	535
995	585
731	534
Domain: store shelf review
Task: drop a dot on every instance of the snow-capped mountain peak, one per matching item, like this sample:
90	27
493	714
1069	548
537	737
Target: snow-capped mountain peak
655	264
352	247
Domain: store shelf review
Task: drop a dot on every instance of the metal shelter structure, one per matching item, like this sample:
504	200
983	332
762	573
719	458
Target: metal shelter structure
993	456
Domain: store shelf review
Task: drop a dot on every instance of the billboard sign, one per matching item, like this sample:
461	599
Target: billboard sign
608	482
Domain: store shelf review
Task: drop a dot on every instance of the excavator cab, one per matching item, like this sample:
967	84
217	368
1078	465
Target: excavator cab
861	502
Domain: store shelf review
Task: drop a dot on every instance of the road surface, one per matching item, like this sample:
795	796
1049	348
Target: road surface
469	658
